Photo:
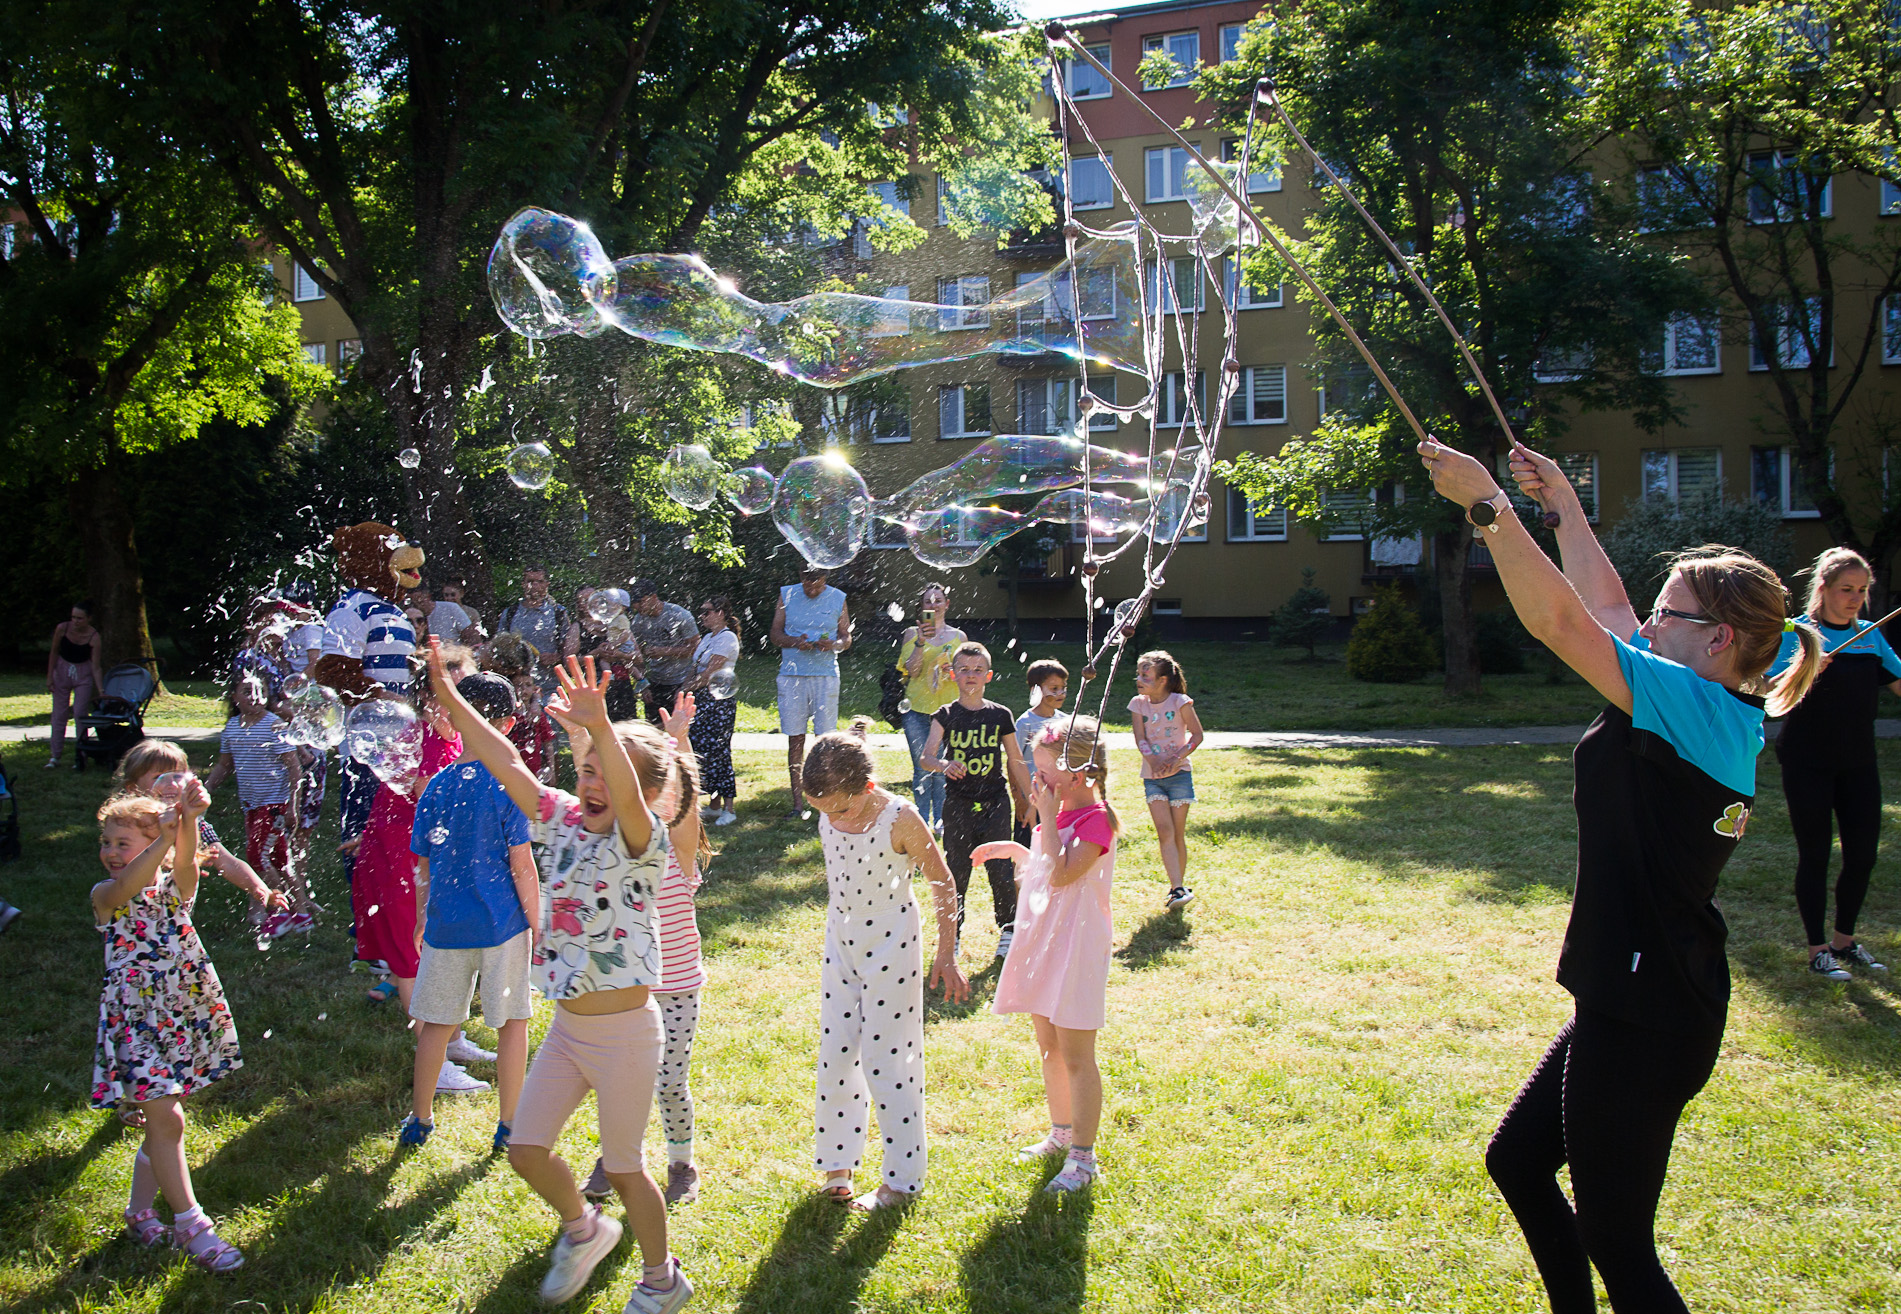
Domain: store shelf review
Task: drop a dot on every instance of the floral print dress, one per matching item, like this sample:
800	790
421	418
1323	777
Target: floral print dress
164	1026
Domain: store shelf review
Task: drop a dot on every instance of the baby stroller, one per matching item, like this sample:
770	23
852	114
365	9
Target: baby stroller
117	720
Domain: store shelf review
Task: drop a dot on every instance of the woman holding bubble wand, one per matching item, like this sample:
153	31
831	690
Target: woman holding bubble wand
1664	782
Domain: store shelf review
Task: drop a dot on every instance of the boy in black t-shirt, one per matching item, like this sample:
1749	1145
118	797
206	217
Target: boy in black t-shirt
983	773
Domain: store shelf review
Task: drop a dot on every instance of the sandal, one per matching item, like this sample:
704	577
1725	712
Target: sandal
132	1115
382	992
883	1197
837	1188
218	1257
144	1228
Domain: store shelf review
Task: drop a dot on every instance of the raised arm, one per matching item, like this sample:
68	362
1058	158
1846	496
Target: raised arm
489	745
1591	574
193	801
117	891
1545	599
583	702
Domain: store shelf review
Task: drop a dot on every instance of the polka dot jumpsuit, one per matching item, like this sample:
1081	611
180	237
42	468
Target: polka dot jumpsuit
871	1019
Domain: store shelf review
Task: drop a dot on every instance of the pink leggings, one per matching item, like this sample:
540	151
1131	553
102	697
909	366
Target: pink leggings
72	687
615	1055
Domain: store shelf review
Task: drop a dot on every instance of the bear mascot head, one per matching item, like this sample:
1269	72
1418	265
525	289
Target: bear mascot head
368	641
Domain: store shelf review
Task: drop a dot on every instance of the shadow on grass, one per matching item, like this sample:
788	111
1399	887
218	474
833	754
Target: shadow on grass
1156	941
983	988
26	1186
1037	1260
819	1262
1853	1028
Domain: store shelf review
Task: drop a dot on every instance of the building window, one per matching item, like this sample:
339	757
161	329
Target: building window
1783	191
1672	197
961	302
1891	331
316	352
1167	173
348	349
1242	294
1562	364
1248	523
1182	47
1890	196
1103	388
1090	187
889	422
1680	474
1082	78
1265	175
1581	469
1793	338
1775	482
302	286
1231	34
1261	397
1351	505
1346	388
963	411
1043	405
886	534
1171	606
1691	345
1171	405
892	205
1172	286
894	320
7	239
943	195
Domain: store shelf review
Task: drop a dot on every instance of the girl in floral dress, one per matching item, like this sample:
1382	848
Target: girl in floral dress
164	1027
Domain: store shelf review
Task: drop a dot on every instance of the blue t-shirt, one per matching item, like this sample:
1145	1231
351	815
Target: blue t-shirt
1709	727
465	825
1868	641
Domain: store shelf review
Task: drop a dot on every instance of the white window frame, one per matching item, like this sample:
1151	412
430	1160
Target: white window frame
1346	499
1071	67
317	352
1228	38
1785	486
1244	396
1243	295
1101	421
892	323
303	287
1107	164
1175	164
1788	343
1782	163
1056	402
1891	331
1252	526
1171	403
871	423
1152	288
1673	330
965	312
961	391
1259	183
348	350
1185	70
1670	459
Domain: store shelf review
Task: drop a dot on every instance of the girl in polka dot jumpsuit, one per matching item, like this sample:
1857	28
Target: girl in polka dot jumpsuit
871	1019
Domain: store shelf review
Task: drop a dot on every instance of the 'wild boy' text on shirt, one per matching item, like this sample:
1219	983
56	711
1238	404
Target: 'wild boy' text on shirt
978	748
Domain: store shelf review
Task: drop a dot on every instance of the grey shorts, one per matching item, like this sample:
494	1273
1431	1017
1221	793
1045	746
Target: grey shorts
445	984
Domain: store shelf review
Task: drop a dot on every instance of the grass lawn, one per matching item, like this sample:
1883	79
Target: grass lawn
1301	1078
1237	686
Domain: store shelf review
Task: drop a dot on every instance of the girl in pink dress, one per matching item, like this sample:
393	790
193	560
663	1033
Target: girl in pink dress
1057	970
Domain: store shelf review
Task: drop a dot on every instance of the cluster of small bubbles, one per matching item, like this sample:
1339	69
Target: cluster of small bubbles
384	735
409	458
722	684
750	489
530	465
691	476
823	509
316	719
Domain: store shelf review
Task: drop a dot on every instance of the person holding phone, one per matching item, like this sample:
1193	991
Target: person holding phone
924	655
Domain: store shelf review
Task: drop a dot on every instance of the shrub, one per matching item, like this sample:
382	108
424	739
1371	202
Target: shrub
1652	529
1304	617
1389	645
1501	641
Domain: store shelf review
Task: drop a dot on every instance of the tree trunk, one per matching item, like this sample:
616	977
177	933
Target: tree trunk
103	520
1449	549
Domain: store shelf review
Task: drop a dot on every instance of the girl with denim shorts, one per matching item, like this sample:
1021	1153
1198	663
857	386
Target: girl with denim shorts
1166	732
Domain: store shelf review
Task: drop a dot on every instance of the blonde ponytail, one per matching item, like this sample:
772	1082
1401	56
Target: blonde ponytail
1793	685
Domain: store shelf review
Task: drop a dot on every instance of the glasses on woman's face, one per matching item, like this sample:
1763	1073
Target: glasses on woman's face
1659	613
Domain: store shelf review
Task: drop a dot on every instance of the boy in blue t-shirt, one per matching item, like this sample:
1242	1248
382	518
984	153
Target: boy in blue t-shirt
478	896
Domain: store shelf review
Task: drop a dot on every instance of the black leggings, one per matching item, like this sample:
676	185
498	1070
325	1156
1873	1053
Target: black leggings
967	825
1819	799
1605	1098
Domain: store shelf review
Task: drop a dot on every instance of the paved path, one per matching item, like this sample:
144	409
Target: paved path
1457	738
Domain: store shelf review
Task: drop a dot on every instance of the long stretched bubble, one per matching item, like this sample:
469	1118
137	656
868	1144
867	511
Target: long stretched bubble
549	276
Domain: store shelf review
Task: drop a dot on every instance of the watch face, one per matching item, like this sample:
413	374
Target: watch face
1483	513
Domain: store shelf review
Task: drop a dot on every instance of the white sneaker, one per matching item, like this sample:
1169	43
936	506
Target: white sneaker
646	1300
1003	941
726	818
464	1050
573	1262
454	1081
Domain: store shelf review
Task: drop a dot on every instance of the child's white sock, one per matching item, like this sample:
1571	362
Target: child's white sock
144	1184
680	1152
658	1277
183	1223
582	1228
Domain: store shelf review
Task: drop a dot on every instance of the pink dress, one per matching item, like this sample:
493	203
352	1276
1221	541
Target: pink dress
1058	966
383	887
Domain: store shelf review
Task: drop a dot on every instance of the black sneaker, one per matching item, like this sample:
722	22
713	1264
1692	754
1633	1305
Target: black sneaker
1824	964
1180	897
1856	955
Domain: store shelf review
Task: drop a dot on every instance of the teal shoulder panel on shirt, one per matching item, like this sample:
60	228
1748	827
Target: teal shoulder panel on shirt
1711	728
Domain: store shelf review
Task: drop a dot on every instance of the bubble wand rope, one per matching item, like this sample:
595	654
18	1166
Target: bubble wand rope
1858	634
1265	93
1058	32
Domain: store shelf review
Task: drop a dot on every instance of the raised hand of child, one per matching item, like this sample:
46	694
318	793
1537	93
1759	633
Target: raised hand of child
679	720
275	900
583	692
193	799
439	682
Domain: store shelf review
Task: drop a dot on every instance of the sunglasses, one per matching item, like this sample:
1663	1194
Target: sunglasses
1657	613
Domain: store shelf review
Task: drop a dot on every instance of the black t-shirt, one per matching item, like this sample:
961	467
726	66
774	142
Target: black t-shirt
1661	807
1834	725
976	739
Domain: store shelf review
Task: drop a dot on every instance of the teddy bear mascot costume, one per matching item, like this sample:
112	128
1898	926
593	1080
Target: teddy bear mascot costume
367	644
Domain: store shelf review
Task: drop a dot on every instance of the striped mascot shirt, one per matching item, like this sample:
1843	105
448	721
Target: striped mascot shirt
364	626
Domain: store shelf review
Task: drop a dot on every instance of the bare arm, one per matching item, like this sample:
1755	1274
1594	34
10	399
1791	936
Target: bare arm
241	874
192	803
586	706
294	763
489	746
422	896
780	639
52	655
116	891
222	772
1590	571
933	741
843	641
910	837
1018	770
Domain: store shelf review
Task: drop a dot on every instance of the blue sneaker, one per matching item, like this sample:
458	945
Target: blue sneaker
502	1132
414	1134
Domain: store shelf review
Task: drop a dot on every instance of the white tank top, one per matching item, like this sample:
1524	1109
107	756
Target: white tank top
863	874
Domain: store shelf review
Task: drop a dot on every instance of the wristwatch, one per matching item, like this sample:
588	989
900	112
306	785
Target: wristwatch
1485	515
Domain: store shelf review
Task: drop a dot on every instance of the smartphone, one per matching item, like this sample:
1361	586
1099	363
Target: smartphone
930	616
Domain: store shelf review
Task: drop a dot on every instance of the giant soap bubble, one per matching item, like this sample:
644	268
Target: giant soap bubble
540	272
691	476
384	735
316	714
530	465
750	489
822	507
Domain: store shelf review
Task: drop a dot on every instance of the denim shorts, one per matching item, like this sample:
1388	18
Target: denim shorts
1177	789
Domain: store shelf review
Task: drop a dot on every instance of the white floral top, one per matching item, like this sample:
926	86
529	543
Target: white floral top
599	903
